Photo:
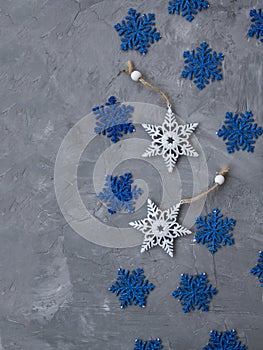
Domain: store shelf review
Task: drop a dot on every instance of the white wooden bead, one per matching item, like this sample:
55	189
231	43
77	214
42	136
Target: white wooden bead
219	179
136	75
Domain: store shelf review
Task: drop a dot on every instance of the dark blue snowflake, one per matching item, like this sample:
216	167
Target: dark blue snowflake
202	65
214	231
194	292
131	287
187	8
240	131
114	119
119	194
256	27
155	344
227	340
258	269
138	32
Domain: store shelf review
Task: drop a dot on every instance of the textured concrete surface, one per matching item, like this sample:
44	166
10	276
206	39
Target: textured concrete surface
58	60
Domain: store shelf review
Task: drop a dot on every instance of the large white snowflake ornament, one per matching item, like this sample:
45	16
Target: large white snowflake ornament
160	228
170	140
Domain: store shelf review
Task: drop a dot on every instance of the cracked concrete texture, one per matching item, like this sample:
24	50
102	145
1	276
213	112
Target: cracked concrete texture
58	60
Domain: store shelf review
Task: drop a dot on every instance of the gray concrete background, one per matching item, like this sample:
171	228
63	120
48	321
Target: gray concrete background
58	60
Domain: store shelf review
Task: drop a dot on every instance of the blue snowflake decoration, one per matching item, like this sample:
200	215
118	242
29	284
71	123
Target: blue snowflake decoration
214	231
194	292
256	27
131	287
227	340
187	8
240	131
155	344
202	65
113	119
258	269
119	194
138	32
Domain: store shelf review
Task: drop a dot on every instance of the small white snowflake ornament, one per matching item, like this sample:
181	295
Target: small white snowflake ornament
170	140
160	228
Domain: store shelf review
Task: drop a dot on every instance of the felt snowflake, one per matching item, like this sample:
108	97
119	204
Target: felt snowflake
170	140
131	287
113	119
214	231
138	32
227	340
256	27
203	65
240	132
187	8
160	228
155	344
194	292
119	194
258	269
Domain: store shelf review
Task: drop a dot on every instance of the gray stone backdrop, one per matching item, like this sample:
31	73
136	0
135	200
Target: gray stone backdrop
58	60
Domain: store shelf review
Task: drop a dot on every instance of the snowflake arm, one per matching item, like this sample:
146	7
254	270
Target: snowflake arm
256	26
188	8
214	231
155	344
258	269
138	32
203	65
194	292
170	140
227	340
160	228
119	194
240	132
131	287
113	119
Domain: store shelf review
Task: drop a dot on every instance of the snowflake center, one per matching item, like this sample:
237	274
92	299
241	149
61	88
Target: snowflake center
159	228
170	140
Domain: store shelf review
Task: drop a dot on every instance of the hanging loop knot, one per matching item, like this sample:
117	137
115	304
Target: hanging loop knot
137	76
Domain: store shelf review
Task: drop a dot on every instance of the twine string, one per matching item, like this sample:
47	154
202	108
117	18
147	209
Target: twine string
223	172
130	69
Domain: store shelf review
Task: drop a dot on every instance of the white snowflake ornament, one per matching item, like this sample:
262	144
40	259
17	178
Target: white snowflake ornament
170	140
160	228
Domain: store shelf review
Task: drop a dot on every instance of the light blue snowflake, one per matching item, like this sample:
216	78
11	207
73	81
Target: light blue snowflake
258	269
240	131
187	8
214	231
256	27
131	287
155	344
138	32
194	292
119	194
113	119
202	65
227	340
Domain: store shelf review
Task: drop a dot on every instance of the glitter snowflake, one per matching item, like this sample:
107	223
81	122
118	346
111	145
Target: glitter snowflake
187	8
194	292
214	231
138	32
119	194
258	269
155	344
131	287
114	119
160	228
203	65
170	140
240	131
256	27
227	340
